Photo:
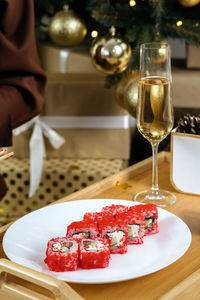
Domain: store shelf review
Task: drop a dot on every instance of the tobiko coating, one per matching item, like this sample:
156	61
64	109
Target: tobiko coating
89	243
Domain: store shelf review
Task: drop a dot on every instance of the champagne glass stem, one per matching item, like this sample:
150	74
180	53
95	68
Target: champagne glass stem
155	186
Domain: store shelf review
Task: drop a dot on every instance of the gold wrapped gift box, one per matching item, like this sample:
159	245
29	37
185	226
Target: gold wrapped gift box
193	57
81	96
81	143
60	178
55	59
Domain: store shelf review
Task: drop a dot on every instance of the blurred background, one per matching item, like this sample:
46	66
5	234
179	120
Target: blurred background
89	50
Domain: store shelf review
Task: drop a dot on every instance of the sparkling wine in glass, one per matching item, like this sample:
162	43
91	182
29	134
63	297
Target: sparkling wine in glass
155	115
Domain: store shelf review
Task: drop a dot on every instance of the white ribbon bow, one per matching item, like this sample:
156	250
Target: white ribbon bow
37	148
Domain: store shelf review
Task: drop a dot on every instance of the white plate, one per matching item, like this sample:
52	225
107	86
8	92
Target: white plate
25	242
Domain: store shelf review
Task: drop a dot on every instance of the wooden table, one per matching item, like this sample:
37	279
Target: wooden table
168	282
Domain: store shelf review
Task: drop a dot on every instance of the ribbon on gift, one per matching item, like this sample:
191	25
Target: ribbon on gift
37	148
42	126
64	55
90	122
63	60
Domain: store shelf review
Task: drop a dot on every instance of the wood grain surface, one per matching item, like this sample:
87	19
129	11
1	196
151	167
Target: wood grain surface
157	284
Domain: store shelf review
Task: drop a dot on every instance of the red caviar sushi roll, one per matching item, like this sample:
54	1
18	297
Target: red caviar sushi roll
82	229
136	226
92	217
117	233
150	213
62	255
94	253
113	209
96	216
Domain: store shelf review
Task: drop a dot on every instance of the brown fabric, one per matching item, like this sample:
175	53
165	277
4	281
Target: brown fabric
3	187
21	77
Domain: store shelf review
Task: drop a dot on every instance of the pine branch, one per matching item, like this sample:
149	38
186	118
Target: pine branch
188	35
98	15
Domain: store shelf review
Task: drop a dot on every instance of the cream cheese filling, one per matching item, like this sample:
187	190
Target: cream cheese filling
133	230
116	237
93	246
149	222
81	235
63	247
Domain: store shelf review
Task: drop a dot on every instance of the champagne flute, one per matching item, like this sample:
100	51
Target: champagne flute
155	114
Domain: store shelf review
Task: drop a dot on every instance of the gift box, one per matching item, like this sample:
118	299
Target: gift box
186	88
86	115
193	57
80	119
60	177
55	59
185	162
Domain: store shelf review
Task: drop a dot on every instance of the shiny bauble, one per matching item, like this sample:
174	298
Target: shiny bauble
160	54
66	28
131	96
189	3
120	88
110	54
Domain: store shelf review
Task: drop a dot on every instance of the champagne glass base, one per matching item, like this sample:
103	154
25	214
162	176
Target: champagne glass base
160	198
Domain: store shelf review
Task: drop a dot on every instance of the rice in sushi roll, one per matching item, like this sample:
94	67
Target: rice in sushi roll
62	255
117	233
94	253
136	226
150	213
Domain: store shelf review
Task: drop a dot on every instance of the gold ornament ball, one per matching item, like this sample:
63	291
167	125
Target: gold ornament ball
160	54
66	28
131	96
120	88
189	3
110	55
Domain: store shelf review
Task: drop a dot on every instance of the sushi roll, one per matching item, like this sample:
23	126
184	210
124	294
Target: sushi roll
82	229
62	255
113	209
136	226
94	253
96	217
92	217
150	213
117	233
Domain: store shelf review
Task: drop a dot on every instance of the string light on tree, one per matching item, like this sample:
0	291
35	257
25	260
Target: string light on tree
179	23
94	34
132	2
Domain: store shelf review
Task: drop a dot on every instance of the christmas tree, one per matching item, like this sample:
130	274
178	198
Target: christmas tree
136	21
